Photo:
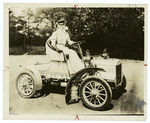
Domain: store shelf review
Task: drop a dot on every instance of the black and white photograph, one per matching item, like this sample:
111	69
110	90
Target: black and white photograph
77	59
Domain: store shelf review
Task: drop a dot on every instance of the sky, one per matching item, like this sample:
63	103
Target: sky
18	10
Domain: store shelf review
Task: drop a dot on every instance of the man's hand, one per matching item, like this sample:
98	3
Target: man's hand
78	42
70	46
59	51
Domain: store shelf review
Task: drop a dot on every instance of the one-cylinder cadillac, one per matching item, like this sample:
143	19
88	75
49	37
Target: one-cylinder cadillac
92	84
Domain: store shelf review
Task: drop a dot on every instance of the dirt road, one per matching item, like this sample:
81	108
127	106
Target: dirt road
53	101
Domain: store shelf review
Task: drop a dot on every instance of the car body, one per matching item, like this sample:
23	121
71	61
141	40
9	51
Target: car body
113	71
92	84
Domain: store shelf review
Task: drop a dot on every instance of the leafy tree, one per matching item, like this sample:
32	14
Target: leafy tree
120	30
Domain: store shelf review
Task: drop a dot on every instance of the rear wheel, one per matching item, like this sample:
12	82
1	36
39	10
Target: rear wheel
96	94
25	84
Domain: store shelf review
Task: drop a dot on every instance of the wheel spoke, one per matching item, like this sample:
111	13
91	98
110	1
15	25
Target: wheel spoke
30	89
101	98
98	86
22	88
102	94
88	88
95	101
101	90
30	83
87	92
88	96
98	101
91	85
25	90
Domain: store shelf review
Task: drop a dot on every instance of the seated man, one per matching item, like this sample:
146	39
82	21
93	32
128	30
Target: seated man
87	59
105	54
58	41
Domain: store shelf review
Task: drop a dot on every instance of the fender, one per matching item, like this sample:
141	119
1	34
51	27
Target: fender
76	80
38	82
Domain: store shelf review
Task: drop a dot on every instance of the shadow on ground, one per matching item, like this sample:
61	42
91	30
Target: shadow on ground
46	90
109	107
116	94
61	90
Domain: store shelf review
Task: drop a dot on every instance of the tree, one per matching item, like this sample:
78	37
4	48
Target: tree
120	30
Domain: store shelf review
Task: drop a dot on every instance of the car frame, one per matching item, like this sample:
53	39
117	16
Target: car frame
92	84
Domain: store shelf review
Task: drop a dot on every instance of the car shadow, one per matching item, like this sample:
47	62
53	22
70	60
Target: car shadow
48	89
109	107
117	93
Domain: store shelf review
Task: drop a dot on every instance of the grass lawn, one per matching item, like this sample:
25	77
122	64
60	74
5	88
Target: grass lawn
30	50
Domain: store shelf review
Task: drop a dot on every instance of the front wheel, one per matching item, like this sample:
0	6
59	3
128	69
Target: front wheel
95	93
25	84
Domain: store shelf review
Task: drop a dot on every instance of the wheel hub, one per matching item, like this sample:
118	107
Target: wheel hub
94	92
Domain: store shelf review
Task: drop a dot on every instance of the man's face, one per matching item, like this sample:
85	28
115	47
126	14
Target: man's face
61	25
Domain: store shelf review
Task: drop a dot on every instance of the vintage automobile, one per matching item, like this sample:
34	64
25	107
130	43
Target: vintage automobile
92	84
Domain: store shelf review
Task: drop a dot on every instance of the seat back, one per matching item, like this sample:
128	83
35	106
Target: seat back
54	55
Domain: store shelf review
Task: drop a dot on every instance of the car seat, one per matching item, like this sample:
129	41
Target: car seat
54	56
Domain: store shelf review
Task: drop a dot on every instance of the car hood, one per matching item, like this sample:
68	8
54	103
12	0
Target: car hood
109	62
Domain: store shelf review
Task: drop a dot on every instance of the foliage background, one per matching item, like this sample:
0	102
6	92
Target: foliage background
120	30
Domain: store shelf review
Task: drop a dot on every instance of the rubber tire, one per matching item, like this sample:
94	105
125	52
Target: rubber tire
34	79
124	83
107	87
